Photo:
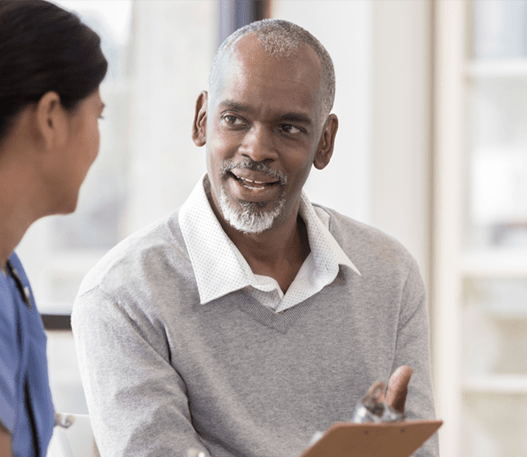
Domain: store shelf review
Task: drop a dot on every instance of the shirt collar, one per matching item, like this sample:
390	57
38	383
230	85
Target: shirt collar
326	248
218	265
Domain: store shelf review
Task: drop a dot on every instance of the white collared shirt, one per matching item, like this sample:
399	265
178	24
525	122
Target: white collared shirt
220	268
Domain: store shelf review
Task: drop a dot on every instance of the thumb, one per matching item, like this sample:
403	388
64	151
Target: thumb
398	388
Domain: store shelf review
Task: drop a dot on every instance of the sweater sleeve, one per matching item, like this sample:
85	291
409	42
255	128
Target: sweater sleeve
136	399
413	349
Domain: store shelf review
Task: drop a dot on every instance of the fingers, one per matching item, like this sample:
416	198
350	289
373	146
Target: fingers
398	388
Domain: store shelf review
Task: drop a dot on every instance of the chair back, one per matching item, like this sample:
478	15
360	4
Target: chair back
75	441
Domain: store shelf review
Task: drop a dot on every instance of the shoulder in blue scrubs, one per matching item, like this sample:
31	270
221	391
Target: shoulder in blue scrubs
26	407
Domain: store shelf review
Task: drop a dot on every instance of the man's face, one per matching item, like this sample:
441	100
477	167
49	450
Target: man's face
263	126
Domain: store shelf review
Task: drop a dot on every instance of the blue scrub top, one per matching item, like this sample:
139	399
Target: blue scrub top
25	397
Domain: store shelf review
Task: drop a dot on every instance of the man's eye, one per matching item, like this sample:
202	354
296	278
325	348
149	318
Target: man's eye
287	128
232	120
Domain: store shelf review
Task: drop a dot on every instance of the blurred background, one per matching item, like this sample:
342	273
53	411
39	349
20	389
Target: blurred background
432	149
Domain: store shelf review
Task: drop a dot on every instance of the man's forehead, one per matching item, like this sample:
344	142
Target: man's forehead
250	48
248	56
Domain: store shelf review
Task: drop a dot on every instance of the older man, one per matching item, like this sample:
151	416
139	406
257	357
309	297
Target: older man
250	318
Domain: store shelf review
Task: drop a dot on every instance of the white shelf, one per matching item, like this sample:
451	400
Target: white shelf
494	263
505	315
497	384
496	68
55	308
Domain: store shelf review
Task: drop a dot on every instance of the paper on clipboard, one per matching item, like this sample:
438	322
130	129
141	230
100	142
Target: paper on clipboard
387	439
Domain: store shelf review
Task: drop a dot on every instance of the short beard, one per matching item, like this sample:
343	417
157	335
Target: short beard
249	217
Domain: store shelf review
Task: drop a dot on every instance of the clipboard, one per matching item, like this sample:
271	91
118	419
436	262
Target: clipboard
386	439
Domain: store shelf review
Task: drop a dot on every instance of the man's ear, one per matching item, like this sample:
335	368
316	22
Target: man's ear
51	121
199	127
327	142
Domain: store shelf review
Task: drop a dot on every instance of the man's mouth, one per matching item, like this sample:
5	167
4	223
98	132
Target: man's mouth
253	181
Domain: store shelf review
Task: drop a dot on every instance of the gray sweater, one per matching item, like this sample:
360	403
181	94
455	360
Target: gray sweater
163	373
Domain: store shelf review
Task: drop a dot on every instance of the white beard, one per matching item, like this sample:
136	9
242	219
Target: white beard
248	218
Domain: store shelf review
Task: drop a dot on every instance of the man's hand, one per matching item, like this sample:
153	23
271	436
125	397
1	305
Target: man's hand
398	388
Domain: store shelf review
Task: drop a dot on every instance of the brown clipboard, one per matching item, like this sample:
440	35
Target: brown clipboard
388	439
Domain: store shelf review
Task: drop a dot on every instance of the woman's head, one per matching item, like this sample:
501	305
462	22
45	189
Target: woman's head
44	48
51	66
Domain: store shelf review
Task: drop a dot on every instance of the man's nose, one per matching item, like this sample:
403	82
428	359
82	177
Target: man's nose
259	144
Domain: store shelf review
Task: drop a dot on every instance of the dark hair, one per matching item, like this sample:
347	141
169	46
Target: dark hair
45	48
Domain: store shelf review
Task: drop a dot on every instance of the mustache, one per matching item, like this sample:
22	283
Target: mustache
259	167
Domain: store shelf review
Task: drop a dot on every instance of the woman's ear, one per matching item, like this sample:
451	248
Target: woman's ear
327	142
51	121
199	127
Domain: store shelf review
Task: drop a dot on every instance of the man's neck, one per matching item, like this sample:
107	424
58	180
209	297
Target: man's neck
278	252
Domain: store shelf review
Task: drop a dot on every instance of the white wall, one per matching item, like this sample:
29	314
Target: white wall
401	143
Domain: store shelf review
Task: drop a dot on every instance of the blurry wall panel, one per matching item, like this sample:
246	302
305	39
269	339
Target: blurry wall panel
173	47
401	145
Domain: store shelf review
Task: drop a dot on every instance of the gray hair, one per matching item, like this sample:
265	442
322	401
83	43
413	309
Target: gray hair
282	39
